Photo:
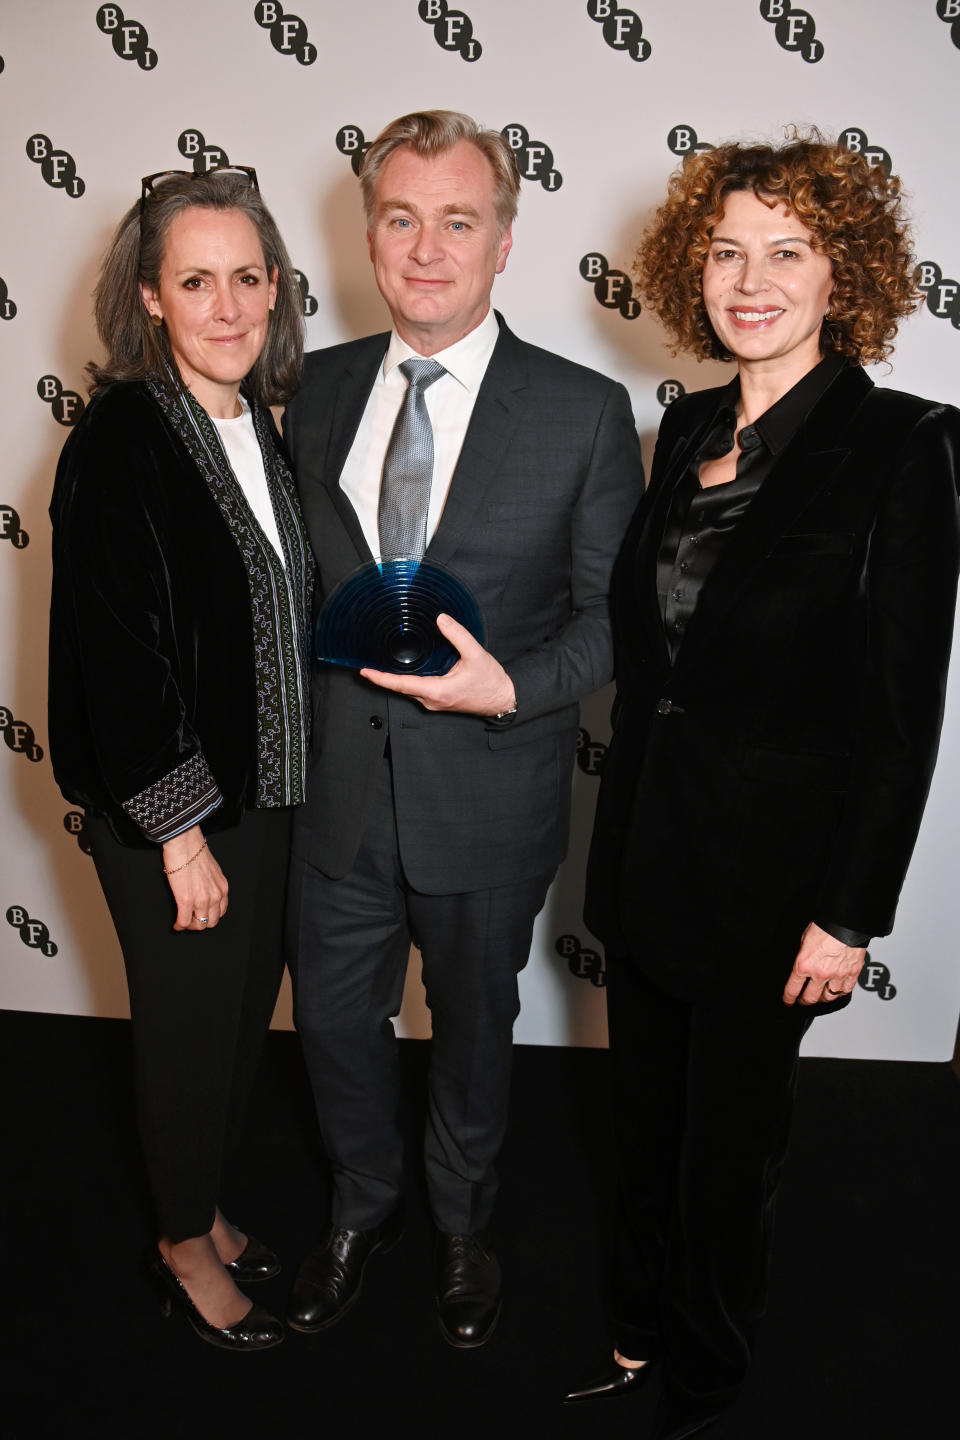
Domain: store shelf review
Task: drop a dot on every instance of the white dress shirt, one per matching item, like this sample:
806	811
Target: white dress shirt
450	401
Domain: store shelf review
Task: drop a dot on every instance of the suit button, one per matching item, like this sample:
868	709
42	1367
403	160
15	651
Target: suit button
664	707
376	722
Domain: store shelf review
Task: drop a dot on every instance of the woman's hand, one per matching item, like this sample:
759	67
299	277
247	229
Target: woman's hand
824	969
199	885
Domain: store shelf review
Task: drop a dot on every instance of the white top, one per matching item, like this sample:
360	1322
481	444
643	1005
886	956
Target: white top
239	440
450	401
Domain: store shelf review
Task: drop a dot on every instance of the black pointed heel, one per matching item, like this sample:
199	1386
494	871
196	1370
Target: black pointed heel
258	1330
255	1262
612	1382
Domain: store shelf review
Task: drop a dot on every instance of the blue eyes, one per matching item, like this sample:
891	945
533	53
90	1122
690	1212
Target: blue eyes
459	227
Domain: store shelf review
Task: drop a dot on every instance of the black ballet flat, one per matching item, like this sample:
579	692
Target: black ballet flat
258	1330
615	1380
255	1262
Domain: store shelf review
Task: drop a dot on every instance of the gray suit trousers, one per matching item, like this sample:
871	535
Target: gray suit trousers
350	940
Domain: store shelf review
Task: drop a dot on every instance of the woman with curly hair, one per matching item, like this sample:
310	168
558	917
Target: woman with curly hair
783	611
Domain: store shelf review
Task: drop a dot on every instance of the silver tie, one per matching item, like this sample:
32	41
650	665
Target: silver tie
408	468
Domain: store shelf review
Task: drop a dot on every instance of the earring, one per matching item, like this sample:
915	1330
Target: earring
156	321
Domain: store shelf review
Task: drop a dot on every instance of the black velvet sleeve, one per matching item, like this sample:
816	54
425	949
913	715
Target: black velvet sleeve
116	706
911	582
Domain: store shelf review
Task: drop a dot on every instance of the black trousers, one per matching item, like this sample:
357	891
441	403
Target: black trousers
200	1004
349	943
703	1099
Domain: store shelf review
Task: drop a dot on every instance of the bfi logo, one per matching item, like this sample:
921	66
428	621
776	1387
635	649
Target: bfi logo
129	37
308	302
590	753
202	157
875	977
682	140
534	158
668	391
11	529
8	307
613	288
452	29
33	933
796	29
949	12
74	822
351	142
67	406
855	140
622	29
288	33
582	962
57	167
943	296
19	736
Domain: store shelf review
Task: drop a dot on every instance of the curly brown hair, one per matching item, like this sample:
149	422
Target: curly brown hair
854	214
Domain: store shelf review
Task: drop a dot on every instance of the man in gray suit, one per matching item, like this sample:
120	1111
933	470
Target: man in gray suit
438	808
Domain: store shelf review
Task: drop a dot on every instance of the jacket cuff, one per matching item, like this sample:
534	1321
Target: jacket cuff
175	802
855	938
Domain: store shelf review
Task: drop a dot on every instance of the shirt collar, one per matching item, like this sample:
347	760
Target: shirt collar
466	360
776	427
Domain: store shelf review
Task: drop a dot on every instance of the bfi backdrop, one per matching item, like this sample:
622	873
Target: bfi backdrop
599	101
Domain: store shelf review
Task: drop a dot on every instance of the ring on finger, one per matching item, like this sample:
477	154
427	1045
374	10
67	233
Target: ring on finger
203	920
830	991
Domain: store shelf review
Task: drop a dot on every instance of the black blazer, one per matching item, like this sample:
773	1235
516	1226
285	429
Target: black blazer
777	773
549	473
151	637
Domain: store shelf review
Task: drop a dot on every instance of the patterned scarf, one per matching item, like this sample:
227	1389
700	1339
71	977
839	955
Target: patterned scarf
279	595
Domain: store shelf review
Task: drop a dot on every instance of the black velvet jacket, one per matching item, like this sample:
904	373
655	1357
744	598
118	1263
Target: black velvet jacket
151	646
777	771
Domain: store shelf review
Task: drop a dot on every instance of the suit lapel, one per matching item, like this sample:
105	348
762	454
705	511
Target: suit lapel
347	405
500	408
809	464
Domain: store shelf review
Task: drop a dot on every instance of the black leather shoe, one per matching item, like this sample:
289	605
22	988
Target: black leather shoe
615	1380
329	1279
468	1289
258	1330
255	1262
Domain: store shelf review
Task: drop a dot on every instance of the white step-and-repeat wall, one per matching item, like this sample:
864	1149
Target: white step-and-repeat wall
600	101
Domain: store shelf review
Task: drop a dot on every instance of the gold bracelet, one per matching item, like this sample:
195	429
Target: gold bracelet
177	868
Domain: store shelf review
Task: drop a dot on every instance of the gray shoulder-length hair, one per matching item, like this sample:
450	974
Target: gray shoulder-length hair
137	349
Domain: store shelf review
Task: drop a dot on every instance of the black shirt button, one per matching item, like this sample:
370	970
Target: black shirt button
664	707
376	722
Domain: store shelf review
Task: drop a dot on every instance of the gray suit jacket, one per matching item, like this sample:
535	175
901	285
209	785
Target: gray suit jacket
546	481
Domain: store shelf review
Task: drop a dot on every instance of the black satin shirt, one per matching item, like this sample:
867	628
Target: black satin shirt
699	521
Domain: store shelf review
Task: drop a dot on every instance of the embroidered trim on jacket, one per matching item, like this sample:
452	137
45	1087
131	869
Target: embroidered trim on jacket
174	803
279	594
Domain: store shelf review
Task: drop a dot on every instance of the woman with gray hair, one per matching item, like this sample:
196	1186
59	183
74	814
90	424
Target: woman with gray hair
179	686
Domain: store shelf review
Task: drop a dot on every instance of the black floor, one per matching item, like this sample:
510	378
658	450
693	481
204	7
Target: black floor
861	1338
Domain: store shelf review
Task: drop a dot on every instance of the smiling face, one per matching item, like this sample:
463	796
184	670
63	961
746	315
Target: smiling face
215	297
765	288
435	243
